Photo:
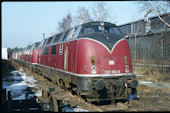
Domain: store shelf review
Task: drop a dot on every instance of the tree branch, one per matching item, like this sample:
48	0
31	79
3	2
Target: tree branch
161	18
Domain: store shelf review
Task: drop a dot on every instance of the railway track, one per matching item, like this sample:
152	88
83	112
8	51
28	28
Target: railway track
73	99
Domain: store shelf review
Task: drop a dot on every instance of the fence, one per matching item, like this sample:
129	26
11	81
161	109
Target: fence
149	47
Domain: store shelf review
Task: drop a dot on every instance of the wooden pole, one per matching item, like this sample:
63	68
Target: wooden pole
9	102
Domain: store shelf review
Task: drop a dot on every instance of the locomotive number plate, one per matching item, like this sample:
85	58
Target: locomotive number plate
112	71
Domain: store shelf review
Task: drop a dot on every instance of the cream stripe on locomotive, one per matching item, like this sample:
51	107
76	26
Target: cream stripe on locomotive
90	75
91	40
104	45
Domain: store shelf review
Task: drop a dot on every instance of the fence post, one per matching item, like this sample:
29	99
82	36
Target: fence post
10	107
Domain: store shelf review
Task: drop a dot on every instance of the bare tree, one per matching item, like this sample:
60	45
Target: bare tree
65	23
100	12
157	7
82	16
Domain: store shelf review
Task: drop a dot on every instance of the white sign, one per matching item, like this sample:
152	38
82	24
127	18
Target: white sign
111	62
4	53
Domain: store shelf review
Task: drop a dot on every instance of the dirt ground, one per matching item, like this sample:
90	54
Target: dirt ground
41	83
154	95
150	99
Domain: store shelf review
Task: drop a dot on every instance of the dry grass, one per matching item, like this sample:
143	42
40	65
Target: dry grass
152	74
151	99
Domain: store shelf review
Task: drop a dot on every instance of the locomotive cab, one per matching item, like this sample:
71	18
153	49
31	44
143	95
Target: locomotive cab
104	62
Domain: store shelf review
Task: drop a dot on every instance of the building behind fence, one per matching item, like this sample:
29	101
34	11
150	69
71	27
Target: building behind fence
149	41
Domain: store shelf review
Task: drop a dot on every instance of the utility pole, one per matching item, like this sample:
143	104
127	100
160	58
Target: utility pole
43	36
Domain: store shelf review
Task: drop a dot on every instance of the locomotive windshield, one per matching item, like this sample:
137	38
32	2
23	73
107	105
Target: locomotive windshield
100	27
104	32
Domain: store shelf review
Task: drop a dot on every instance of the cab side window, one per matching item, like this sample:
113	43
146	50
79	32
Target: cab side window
46	51
49	40
66	35
75	35
53	50
57	38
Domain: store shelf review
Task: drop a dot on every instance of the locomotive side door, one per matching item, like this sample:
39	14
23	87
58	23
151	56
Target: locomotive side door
66	57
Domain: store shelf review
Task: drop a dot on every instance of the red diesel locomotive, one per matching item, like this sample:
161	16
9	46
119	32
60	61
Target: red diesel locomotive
93	59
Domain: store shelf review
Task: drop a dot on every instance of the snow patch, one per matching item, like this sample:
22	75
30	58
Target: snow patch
80	110
145	82
141	75
38	93
18	83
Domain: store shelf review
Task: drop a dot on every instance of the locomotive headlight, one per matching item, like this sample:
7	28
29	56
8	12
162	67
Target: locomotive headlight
126	68
126	59
93	60
93	71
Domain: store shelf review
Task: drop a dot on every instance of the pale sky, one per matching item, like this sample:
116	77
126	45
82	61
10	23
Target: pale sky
24	23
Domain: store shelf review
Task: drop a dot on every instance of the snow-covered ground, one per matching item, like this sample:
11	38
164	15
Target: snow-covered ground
18	83
154	85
